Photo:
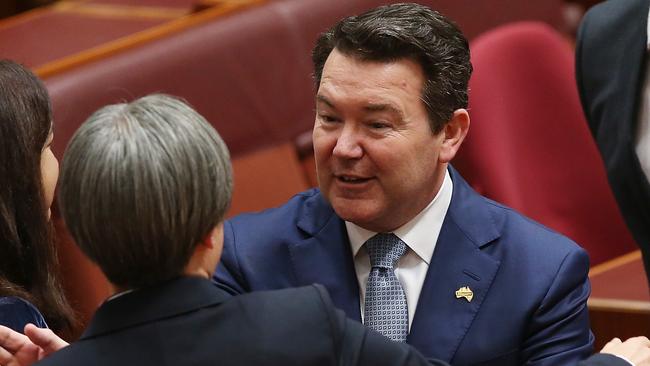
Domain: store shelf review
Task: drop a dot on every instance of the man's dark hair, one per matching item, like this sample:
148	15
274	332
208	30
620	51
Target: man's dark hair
393	32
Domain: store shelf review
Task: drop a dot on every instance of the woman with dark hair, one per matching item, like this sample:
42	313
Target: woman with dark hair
28	175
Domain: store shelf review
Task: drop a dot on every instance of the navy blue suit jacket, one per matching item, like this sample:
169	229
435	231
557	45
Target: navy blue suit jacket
530	284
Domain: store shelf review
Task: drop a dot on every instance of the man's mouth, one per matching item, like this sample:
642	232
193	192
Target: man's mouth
350	179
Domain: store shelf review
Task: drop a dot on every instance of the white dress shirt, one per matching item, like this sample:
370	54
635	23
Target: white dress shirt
642	140
420	236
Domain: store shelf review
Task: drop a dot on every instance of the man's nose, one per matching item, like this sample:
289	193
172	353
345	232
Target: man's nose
348	144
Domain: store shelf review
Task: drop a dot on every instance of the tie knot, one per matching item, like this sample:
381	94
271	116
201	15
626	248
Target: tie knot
385	250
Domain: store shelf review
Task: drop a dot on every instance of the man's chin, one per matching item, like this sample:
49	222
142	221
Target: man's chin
358	212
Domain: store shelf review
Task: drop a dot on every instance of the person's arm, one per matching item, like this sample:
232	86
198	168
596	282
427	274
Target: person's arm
558	332
228	275
24	350
377	350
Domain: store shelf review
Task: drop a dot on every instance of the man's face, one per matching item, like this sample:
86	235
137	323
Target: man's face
376	157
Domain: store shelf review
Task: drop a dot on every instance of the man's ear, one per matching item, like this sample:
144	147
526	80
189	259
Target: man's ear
453	133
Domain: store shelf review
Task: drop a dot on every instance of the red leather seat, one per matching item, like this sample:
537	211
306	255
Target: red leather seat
529	146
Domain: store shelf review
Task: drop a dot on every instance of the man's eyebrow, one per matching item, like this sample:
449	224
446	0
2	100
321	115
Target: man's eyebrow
382	107
323	99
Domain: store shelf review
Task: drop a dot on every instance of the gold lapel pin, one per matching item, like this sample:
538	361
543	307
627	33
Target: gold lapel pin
465	292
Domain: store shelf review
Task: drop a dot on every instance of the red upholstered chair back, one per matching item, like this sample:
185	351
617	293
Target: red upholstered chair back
529	146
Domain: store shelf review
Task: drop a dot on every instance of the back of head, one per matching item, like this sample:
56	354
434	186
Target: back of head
27	255
142	183
393	32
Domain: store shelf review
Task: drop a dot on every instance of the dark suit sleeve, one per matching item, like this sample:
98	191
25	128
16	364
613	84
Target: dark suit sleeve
559	330
228	275
360	346
580	40
602	359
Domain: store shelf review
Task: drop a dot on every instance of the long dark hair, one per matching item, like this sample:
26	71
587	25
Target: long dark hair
28	262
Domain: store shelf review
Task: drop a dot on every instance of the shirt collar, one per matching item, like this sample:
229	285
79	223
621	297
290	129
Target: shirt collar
420	233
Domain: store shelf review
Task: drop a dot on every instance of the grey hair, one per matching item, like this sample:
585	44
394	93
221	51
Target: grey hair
142	183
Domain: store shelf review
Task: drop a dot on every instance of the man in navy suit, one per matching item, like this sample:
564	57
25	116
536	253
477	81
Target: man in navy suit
475	282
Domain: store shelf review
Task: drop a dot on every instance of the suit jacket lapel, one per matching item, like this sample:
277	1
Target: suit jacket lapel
442	319
152	303
324	256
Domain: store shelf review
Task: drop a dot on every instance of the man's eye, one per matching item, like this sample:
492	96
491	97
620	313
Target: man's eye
378	125
328	118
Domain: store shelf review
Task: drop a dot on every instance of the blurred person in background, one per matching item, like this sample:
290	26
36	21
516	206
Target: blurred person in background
614	85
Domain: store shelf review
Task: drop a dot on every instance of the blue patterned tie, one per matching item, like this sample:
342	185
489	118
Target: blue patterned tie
385	306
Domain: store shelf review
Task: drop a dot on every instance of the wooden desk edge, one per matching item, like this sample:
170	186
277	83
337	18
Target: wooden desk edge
615	262
618	305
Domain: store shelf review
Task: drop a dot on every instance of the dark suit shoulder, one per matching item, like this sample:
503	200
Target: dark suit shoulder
15	313
524	233
284	215
258	244
308	304
600	51
297	326
613	12
541	256
284	327
277	225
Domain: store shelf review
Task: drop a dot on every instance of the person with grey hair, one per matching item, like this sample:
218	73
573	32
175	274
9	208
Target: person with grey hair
144	188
